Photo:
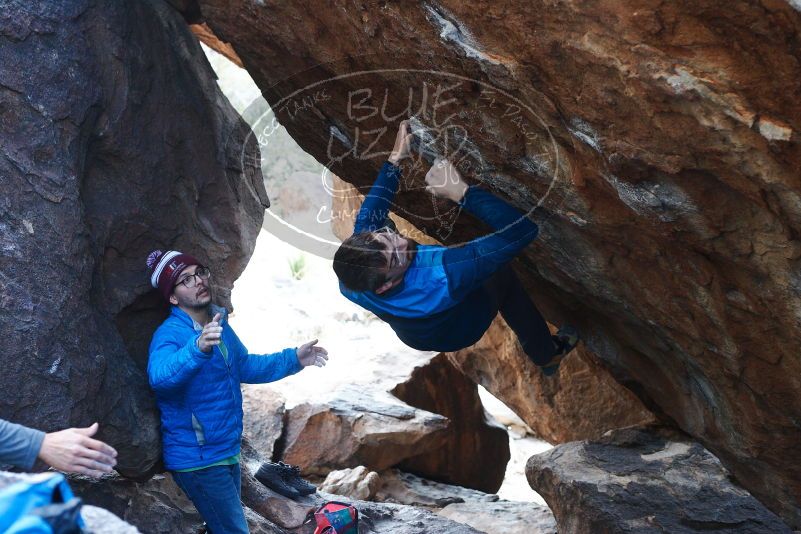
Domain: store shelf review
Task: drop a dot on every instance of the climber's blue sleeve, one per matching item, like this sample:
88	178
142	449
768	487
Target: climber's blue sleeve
375	208
468	266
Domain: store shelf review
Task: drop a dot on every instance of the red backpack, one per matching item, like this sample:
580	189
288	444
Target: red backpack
336	518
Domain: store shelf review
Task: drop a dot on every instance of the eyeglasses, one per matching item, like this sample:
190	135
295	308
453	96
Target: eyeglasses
191	281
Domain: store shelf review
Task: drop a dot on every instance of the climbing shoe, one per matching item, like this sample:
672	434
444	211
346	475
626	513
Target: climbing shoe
293	478
275	477
566	339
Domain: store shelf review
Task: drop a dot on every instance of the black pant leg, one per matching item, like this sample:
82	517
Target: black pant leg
521	315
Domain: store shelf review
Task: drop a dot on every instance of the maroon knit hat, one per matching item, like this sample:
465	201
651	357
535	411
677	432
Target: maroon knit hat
165	267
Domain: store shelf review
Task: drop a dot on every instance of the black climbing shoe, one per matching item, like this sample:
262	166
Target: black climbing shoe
275	477
294	479
566	339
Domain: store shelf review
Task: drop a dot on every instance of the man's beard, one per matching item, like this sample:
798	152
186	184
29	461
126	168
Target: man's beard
197	303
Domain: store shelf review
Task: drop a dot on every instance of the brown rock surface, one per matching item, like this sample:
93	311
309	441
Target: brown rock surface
116	140
659	140
645	480
476	449
583	401
356	427
276	508
263	419
207	37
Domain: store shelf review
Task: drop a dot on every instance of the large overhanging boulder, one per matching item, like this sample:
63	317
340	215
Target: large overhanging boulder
659	140
115	141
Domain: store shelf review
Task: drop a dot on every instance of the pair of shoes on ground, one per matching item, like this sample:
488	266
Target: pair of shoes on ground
566	339
284	479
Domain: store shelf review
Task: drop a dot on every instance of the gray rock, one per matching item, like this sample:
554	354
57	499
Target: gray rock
116	140
645	480
263	419
503	517
100	521
405	488
381	518
156	506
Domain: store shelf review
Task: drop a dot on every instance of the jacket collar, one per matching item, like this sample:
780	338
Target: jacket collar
185	318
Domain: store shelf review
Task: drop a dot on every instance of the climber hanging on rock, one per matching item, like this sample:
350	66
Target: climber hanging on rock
438	298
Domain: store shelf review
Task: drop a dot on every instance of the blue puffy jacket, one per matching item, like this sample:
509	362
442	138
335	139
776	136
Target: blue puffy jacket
441	304
198	393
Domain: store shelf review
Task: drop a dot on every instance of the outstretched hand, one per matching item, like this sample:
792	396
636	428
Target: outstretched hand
211	334
309	354
74	451
403	144
444	180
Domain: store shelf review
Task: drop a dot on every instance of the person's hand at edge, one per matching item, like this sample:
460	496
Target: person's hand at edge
403	144
73	450
444	180
309	354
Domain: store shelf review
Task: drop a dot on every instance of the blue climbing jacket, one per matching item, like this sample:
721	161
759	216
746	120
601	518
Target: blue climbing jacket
198	393
441	304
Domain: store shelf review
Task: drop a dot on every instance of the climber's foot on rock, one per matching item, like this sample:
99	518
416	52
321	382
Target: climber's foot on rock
566	339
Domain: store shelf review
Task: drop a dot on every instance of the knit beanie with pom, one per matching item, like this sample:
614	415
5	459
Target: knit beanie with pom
165	267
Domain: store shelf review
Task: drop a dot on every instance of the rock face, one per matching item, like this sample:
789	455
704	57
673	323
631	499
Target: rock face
659	141
116	141
644	479
476	450
502	517
358	428
405	488
263	418
582	402
157	506
381	518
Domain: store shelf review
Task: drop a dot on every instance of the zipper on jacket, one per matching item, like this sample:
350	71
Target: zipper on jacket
200	435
